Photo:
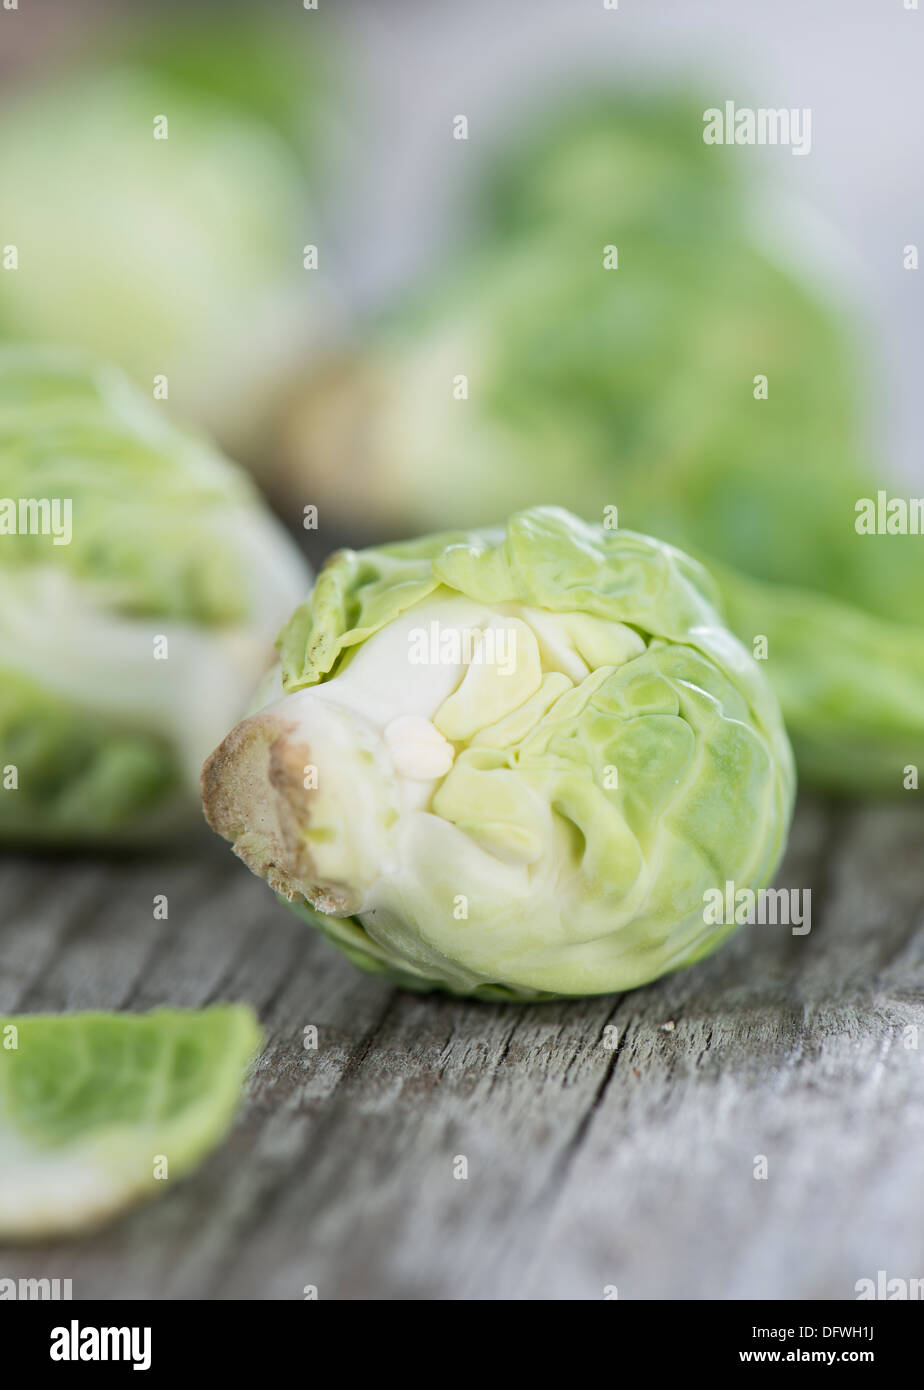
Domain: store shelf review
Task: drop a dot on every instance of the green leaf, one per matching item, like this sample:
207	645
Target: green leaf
94	1105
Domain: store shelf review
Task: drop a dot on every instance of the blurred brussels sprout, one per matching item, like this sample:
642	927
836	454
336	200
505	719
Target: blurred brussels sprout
87	1100
529	372
159	202
584	386
851	685
141	586
509	763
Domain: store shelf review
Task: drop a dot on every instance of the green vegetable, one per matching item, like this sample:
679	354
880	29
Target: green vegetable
97	1110
590	386
635	386
851	685
126	648
635	161
177	256
510	763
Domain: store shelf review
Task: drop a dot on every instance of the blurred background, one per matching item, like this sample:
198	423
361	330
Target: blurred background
438	256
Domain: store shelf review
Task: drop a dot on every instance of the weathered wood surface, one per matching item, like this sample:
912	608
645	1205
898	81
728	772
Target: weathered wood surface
588	1166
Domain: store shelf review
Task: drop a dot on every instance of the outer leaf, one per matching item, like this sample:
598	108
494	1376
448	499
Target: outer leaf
89	1103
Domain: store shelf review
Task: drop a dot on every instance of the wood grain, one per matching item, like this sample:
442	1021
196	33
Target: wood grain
588	1165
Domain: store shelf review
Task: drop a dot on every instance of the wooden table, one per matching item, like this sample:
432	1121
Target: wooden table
589	1166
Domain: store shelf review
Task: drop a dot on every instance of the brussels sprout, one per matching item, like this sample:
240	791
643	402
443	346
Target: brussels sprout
88	1100
179	256
851	685
586	385
632	161
509	764
141	586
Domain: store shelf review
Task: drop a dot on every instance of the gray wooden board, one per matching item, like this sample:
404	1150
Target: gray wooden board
588	1166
